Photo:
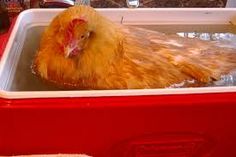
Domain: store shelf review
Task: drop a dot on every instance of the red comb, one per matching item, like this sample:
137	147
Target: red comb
78	21
69	32
75	22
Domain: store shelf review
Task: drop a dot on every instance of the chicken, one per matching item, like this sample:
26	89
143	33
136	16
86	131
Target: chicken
81	49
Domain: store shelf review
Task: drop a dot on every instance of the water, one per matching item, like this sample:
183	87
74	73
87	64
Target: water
24	80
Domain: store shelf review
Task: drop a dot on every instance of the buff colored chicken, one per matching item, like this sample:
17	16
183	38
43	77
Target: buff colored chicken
81	49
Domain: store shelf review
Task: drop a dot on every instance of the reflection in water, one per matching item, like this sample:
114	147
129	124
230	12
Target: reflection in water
221	39
208	36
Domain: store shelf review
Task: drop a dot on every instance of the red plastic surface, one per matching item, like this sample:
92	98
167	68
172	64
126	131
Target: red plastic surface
196	125
3	41
4	38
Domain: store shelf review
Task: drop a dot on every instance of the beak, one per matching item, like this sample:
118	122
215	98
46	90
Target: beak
72	49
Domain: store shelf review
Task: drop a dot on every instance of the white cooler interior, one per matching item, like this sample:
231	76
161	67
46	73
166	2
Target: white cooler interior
17	79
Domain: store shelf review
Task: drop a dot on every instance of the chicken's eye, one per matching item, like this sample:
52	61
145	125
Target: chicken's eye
82	36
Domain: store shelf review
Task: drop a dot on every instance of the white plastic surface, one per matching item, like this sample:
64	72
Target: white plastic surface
130	16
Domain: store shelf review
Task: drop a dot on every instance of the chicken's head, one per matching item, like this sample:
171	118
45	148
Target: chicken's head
76	35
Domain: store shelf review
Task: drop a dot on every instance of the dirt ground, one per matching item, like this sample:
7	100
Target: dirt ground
160	3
